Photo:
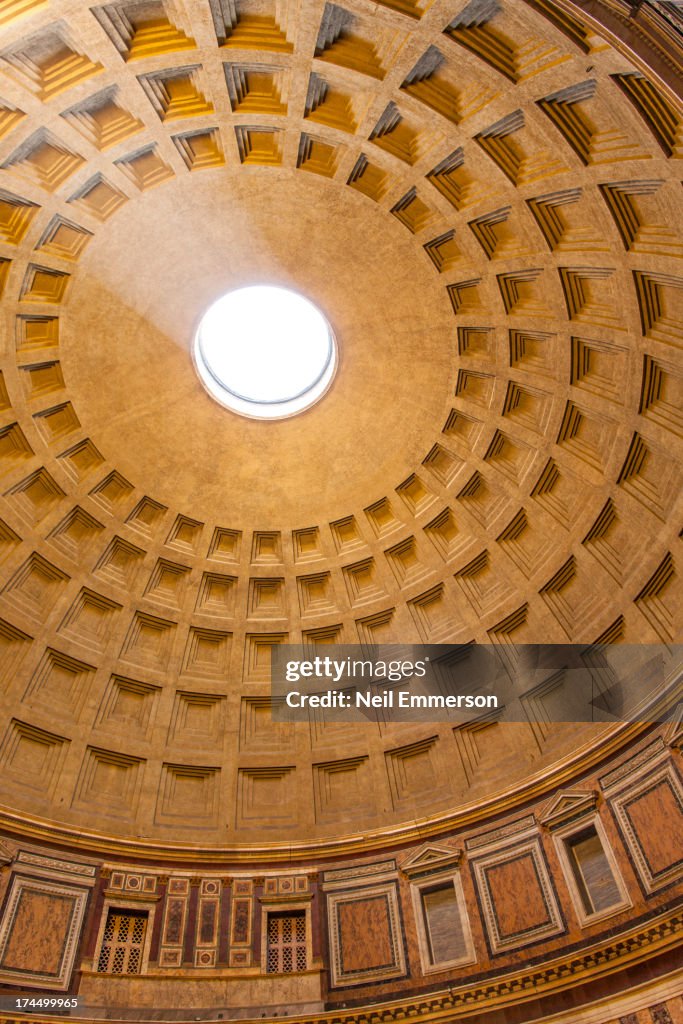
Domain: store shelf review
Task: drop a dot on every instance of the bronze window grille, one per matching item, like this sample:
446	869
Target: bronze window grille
286	937
123	942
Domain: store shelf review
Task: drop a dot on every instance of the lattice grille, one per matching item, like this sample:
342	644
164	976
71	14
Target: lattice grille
286	943
122	943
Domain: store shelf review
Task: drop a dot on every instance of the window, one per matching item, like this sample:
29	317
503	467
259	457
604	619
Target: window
123	942
286	942
442	925
595	882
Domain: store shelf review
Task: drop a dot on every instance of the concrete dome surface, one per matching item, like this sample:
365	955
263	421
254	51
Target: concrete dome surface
484	201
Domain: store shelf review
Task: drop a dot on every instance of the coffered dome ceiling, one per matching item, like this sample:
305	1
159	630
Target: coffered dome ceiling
484	200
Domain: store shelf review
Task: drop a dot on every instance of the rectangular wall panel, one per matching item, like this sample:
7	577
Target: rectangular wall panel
519	904
39	933
366	941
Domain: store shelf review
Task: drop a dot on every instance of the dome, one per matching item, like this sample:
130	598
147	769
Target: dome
483	202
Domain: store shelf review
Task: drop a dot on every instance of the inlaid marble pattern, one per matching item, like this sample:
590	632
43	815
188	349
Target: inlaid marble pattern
39	933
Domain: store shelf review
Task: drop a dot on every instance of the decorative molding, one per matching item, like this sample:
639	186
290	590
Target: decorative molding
429	859
568	805
340	877
285	887
495	837
674	730
56	869
657	864
368	919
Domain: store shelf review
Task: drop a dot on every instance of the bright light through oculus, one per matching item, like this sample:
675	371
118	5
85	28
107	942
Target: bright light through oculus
265	352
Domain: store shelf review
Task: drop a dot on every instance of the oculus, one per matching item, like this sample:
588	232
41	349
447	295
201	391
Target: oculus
265	352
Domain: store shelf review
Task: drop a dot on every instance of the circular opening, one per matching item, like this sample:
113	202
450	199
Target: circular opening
265	352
